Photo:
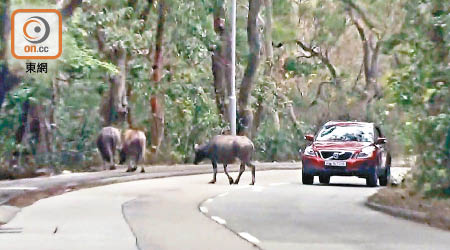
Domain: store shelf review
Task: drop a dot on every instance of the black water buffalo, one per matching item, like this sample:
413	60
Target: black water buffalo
226	149
133	147
107	142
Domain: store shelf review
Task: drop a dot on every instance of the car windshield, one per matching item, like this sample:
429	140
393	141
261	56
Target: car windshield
345	133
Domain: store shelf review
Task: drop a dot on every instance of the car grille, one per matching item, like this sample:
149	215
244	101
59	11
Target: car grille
341	155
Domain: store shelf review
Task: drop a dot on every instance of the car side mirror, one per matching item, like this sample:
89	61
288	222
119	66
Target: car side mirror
380	140
309	137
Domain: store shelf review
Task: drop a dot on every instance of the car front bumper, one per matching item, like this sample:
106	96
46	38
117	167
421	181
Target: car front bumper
354	167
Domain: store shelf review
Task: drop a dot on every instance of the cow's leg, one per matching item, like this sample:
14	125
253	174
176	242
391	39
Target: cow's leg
138	159
241	170
129	169
134	166
215	173
253	172
112	165
226	172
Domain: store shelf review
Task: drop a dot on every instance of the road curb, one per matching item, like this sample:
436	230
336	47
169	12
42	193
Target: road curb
422	217
398	212
7	213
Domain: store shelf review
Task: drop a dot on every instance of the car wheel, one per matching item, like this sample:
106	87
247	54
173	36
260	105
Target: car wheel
372	178
386	178
307	179
324	179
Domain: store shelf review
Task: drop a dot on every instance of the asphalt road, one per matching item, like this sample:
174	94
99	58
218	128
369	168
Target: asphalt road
277	213
289	215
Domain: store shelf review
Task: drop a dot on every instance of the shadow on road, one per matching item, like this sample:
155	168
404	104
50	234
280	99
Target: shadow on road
343	185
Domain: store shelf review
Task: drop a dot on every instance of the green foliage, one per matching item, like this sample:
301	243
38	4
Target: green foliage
278	145
193	118
299	68
420	87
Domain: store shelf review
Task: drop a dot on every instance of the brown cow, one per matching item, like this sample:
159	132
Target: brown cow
133	146
107	142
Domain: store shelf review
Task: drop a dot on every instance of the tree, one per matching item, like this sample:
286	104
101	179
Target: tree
254	43
419	87
156	101
268	51
219	61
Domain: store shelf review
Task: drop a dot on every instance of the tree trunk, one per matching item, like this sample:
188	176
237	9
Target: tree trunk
35	129
291	114
8	80
129	112
115	108
20	132
371	51
268	49
276	120
268	31
157	101
38	116
119	86
218	57
259	115
245	113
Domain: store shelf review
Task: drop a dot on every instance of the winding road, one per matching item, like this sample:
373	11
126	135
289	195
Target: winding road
187	213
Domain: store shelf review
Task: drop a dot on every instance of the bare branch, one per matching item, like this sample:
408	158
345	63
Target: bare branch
375	53
358	76
323	58
365	47
305	56
319	91
361	13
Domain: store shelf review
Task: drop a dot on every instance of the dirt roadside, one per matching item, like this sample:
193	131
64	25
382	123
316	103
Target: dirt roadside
405	203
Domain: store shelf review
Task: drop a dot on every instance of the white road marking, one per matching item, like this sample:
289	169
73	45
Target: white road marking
249	237
219	220
257	188
204	210
209	200
222	195
68	175
18	188
278	183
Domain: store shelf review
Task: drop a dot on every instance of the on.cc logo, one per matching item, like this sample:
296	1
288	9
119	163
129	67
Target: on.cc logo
39	26
36	33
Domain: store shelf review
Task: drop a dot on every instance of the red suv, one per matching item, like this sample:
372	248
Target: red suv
347	149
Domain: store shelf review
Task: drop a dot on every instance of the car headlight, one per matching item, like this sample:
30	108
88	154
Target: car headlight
309	151
366	152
